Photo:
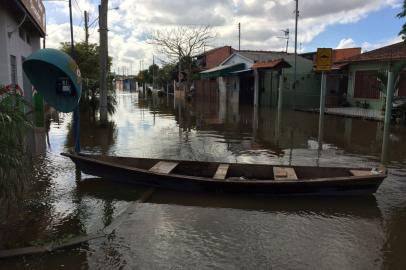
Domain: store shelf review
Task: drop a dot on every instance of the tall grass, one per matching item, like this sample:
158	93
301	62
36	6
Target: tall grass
14	161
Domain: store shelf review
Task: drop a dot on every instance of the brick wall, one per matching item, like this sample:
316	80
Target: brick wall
218	55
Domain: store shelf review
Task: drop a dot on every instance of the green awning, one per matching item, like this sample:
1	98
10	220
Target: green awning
221	71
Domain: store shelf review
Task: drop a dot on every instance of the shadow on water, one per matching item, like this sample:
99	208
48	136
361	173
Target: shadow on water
365	207
108	190
360	207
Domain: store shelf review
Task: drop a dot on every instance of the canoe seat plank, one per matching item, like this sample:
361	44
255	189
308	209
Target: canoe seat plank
283	173
221	172
360	173
164	167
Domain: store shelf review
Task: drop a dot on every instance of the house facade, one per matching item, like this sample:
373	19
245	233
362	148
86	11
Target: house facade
22	25
240	83
365	88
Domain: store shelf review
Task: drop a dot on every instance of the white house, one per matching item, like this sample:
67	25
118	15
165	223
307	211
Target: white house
22	25
252	77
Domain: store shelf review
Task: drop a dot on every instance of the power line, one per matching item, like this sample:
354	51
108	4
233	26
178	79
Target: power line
95	20
76	2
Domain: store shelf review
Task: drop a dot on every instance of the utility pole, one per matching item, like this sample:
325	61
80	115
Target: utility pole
103	59
76	127
180	68
287	39
86	27
239	36
295	69
153	72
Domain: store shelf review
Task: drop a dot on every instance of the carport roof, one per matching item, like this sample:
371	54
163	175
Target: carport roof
221	71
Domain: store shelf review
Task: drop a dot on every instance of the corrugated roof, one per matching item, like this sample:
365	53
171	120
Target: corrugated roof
395	51
261	56
341	54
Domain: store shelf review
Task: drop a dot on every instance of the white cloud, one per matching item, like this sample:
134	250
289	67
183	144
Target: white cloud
366	46
261	22
346	43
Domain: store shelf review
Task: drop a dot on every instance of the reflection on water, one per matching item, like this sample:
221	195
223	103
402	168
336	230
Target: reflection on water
201	231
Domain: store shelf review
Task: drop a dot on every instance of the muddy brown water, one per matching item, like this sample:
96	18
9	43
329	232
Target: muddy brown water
175	230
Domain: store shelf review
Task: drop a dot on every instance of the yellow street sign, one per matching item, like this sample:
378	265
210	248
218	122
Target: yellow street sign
324	59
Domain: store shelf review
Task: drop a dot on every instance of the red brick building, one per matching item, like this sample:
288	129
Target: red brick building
214	57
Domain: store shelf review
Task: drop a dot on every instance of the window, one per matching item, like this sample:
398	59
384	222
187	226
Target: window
13	69
402	84
366	84
21	32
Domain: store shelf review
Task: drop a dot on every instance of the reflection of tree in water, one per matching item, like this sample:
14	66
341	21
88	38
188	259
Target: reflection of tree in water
43	220
156	104
93	135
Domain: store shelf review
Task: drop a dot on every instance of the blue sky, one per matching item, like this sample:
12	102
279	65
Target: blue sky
362	23
378	27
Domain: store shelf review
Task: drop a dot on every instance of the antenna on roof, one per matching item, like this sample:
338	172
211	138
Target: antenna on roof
286	32
239	36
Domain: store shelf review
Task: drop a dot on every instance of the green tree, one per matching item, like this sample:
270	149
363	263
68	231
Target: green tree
401	15
166	74
86	56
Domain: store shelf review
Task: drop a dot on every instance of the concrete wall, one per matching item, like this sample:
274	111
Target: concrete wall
4	56
307	93
14	45
222	98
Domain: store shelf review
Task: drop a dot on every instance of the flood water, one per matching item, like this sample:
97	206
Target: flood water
200	231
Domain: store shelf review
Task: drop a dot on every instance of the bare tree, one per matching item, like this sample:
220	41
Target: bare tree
182	43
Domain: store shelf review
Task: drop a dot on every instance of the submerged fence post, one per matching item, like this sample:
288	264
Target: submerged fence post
280	106
280	96
256	100
322	108
388	114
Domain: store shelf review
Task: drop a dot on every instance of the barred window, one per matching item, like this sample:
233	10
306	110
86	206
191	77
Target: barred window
13	69
402	84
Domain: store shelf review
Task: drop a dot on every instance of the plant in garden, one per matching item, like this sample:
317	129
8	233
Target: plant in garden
14	162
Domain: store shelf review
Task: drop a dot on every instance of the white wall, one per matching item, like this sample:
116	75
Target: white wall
14	45
222	99
237	59
4	61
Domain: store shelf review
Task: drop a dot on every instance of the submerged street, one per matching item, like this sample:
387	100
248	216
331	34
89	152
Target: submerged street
174	230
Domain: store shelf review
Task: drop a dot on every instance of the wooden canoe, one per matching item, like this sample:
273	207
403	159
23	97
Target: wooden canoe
233	178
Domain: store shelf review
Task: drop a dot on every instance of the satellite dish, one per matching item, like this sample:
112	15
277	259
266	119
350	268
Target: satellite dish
56	76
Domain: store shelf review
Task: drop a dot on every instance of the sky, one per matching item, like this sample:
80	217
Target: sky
368	24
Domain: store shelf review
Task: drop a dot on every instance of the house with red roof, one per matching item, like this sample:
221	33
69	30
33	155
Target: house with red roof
364	84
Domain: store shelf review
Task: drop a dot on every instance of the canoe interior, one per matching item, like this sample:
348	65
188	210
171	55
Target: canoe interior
208	169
